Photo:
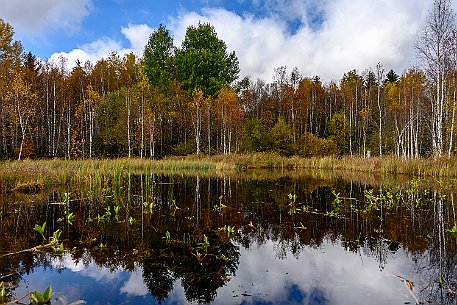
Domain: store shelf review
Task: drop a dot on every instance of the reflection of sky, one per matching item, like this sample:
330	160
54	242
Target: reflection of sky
327	275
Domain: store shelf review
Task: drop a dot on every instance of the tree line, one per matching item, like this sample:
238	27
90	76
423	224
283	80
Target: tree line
189	99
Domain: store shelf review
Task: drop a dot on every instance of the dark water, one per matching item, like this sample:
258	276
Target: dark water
177	240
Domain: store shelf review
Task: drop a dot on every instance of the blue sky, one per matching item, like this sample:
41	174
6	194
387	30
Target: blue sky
320	37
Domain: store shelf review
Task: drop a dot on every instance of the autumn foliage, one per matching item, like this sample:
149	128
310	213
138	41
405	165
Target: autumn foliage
189	99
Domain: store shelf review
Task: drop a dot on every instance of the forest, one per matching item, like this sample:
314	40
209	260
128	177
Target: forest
190	99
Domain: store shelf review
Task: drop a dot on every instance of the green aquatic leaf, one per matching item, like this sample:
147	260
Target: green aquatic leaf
40	229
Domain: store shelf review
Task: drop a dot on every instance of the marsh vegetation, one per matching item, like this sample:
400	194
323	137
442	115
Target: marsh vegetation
200	232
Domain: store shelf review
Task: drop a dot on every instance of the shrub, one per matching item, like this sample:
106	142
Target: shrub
311	146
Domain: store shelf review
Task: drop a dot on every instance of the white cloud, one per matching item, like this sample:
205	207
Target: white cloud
92	270
136	34
352	34
88	52
348	34
34	17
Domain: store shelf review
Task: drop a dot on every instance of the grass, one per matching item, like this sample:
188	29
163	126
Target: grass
35	175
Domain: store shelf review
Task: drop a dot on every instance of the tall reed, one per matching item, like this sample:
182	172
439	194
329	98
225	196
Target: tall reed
98	172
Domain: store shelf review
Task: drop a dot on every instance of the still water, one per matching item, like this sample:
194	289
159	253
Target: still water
178	240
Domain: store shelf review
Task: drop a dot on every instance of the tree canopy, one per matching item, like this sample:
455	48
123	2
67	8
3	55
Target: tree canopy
187	99
158	58
201	63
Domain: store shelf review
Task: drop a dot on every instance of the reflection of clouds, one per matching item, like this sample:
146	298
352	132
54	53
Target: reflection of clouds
329	275
326	275
67	262
135	285
178	296
100	274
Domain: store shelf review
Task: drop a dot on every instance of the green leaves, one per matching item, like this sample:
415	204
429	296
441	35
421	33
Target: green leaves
167	236
453	231
40	229
158	58
202	62
38	298
2	291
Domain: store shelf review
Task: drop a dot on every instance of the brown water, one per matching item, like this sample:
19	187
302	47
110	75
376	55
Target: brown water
176	240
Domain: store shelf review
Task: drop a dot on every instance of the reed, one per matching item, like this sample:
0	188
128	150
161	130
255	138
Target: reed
40	174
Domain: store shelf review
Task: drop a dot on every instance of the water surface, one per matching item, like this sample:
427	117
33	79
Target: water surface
175	240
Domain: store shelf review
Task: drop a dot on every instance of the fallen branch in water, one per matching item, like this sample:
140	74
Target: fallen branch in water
33	249
409	285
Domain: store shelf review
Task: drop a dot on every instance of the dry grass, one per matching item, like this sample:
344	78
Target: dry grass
44	173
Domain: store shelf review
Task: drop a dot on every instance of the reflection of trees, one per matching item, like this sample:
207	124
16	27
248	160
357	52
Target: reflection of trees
157	277
259	209
202	271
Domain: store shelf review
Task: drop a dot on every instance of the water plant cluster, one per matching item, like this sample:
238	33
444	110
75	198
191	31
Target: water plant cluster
178	223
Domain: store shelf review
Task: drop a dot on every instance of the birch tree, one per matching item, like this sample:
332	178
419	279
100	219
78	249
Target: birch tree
434	49
91	99
197	106
21	103
379	77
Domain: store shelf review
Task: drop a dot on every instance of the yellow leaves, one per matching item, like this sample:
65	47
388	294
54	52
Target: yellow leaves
364	113
392	96
229	106
199	100
92	96
409	284
20	97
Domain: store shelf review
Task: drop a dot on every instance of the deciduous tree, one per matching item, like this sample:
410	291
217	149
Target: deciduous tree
435	49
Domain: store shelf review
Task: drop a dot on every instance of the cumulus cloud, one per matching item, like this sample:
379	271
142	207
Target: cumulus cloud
136	34
346	35
324	38
34	17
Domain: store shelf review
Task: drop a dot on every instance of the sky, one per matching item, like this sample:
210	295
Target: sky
320	37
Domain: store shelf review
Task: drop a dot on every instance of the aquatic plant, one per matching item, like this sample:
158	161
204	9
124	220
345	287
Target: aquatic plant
40	229
219	207
167	236
293	208
38	298
205	244
453	231
116	210
105	217
2	291
228	229
69	216
292	197
54	242
149	206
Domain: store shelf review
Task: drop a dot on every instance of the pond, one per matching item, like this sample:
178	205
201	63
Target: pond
156	239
